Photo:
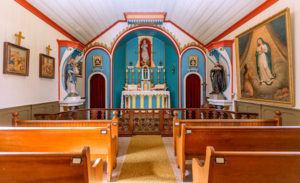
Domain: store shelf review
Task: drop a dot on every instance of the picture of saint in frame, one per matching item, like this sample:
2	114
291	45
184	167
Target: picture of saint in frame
97	60
193	61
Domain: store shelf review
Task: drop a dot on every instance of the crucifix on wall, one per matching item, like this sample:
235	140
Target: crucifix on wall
48	48
19	37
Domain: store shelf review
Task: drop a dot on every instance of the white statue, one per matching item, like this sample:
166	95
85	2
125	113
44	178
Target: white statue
71	77
145	54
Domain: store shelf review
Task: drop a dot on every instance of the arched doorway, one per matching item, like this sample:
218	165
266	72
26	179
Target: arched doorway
193	92
97	91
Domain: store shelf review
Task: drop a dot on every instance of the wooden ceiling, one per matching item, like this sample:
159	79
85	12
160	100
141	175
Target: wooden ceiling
203	19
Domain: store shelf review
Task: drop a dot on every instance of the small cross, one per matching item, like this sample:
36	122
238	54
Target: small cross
48	48
20	37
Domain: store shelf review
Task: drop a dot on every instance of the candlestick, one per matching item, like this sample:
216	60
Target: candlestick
126	77
132	76
164	75
157	76
139	75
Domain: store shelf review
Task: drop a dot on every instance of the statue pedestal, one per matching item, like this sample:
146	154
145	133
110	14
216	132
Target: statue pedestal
222	104
216	96
70	103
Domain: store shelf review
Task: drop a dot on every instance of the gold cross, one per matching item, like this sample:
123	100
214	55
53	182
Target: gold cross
48	48
20	37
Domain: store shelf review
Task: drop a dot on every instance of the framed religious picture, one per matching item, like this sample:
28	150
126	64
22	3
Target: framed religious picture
264	62
16	59
79	66
193	61
97	60
47	66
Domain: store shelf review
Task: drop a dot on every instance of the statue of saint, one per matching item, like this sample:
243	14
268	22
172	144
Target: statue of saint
218	79
264	62
145	54
71	77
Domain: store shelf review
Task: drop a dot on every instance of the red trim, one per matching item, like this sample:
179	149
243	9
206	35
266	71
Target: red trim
248	17
232	71
225	43
73	44
58	73
104	32
46	19
169	21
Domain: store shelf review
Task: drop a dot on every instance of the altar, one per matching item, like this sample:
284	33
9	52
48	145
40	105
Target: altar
141	91
145	99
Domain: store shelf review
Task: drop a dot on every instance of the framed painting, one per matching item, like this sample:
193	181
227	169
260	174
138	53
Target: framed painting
193	61
79	66
16	59
97	60
264	62
47	66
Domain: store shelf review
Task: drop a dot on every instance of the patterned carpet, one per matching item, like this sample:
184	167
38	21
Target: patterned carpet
146	161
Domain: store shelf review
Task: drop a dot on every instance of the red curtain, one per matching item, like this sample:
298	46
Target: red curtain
193	91
97	91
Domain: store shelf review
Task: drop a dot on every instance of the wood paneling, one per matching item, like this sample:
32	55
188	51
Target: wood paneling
27	112
290	116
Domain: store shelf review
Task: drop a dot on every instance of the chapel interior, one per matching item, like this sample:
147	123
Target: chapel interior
150	91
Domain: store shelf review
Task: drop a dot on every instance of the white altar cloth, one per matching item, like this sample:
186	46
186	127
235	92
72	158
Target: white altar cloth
147	93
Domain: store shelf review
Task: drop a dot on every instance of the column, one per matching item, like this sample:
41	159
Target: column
142	101
157	101
163	101
134	101
149	101
129	101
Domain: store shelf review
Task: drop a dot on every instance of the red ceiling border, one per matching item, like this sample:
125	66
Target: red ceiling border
224	43
46	19
72	44
245	19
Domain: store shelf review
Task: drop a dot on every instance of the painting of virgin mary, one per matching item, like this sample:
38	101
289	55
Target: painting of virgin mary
264	62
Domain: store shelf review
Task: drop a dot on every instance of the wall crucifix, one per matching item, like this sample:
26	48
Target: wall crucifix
19	37
48	48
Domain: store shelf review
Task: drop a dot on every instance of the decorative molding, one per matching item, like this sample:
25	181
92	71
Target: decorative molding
245	19
225	43
46	19
73	44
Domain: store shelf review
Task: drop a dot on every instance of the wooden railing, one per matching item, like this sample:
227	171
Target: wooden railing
146	121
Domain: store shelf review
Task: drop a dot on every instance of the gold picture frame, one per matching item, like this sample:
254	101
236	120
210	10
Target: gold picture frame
15	59
193	60
47	66
264	62
97	60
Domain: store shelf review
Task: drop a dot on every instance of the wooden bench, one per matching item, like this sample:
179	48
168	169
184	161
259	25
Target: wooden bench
247	167
276	121
16	122
194	140
16	167
63	139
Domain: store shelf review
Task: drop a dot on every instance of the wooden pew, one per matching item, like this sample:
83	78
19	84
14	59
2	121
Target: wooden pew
276	121
62	139
62	167
246	167
194	140
16	122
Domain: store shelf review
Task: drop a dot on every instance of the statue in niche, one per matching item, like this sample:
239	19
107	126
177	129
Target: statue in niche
218	79
71	77
145	53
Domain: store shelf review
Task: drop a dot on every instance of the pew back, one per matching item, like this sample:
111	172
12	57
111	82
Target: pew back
71	123
63	139
247	167
74	167
276	121
194	140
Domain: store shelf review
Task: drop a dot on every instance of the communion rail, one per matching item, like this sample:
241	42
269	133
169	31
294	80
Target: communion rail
146	121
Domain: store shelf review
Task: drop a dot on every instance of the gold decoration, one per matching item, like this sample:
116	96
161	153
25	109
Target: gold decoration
20	37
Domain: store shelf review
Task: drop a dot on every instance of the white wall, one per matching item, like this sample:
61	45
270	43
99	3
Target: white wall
24	90
294	6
